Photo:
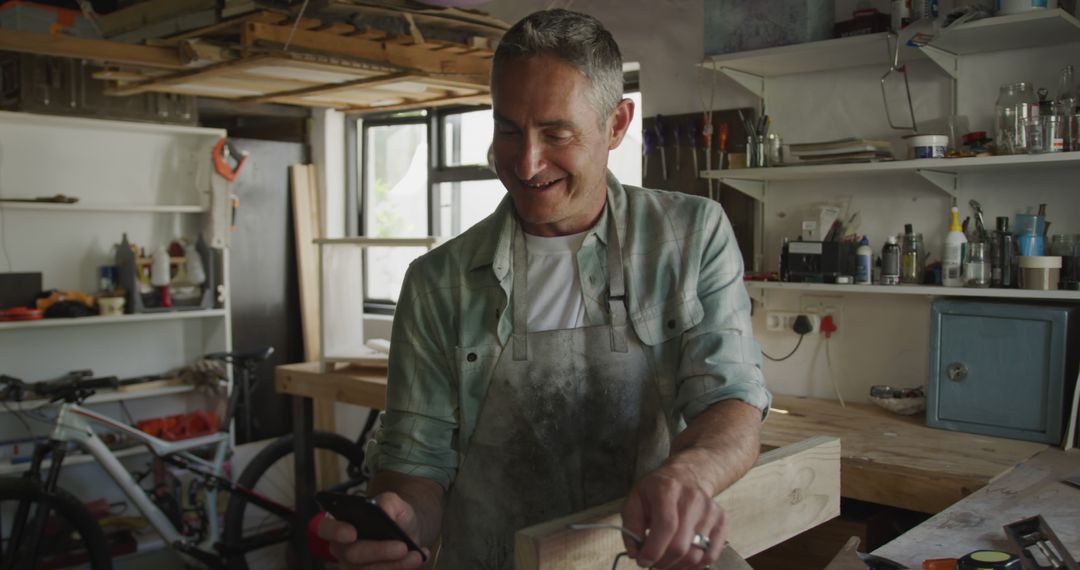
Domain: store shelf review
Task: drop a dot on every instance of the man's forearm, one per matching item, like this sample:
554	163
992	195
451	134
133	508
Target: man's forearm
424	495
718	447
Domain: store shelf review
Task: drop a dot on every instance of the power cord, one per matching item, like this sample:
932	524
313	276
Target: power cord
802	326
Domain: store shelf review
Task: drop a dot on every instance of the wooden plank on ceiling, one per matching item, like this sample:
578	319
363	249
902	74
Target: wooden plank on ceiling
60	45
195	75
336	28
409	57
477	99
328	88
788	491
233	24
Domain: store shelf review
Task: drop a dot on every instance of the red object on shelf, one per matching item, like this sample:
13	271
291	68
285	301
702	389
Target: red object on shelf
21	314
181	426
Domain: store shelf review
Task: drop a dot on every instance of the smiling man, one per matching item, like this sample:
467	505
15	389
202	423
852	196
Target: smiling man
585	342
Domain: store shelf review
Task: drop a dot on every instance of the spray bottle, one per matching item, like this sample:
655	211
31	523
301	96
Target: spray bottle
953	261
864	261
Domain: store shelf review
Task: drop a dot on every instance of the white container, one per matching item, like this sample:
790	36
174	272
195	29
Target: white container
1005	7
864	262
952	262
927	146
1040	272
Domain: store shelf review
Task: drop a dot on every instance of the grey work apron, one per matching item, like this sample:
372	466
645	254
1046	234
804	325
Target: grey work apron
570	420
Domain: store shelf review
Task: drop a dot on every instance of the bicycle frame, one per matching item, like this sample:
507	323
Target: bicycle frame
74	423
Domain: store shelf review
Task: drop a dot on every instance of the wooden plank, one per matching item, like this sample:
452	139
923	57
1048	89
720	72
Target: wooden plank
192	76
477	99
408	57
147	12
231	24
104	51
788	491
896	460
350	385
336	28
1034	487
329	88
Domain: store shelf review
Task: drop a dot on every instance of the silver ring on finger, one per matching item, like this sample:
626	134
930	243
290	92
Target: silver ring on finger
700	541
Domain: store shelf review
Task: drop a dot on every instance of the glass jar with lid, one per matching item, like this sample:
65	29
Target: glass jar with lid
1016	105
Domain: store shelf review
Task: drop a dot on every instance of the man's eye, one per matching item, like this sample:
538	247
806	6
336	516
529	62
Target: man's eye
559	136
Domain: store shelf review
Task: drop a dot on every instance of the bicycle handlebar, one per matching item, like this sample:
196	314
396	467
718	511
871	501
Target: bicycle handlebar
70	386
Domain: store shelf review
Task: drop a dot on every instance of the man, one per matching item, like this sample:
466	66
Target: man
543	360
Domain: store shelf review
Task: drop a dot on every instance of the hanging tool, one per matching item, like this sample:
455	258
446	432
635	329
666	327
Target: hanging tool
706	137
721	145
224	204
691	140
980	227
648	142
895	67
678	146
658	126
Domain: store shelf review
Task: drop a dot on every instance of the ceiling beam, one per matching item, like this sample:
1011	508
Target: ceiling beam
60	45
328	88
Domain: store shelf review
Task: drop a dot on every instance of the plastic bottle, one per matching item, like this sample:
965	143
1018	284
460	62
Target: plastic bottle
952	263
912	257
890	262
1002	255
864	261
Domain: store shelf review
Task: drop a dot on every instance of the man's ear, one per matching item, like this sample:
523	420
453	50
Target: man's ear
620	122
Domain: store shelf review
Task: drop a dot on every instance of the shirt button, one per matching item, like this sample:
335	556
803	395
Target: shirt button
671	324
592	279
471	357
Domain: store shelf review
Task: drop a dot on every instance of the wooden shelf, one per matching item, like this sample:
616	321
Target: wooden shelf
1031	29
122	319
920	290
124	208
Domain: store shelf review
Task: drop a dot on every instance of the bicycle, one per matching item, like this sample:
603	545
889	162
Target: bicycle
258	526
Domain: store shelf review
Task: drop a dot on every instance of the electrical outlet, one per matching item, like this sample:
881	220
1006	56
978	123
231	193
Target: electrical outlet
821	306
784	321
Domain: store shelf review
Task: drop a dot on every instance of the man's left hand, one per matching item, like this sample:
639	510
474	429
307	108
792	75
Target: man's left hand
668	508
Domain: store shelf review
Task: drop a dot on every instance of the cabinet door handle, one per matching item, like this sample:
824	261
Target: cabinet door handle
956	371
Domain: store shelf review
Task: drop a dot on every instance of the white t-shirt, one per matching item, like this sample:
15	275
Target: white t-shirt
555	300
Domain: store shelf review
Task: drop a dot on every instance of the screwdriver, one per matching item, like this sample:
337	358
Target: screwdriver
722	145
648	142
691	139
678	146
658	126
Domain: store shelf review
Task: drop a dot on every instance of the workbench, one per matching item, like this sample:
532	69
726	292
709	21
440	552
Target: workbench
885	458
1034	487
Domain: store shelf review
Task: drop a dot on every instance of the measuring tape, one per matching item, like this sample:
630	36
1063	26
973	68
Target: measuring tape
988	560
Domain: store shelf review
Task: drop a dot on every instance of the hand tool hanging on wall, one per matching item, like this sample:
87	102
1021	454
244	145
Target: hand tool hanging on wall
678	147
706	137
691	140
227	165
658	126
648	141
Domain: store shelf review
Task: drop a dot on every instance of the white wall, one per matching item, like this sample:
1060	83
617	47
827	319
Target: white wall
882	339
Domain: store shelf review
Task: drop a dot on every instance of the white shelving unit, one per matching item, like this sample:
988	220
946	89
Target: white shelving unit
133	208
117	320
7	469
1019	31
942	172
103	397
759	289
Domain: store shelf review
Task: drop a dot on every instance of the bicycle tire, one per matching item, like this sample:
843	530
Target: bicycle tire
64	505
266	460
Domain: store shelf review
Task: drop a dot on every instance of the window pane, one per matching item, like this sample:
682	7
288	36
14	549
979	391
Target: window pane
465	203
625	161
395	185
386	270
466	138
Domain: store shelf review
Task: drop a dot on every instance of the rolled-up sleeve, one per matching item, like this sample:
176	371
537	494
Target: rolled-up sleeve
720	359
417	432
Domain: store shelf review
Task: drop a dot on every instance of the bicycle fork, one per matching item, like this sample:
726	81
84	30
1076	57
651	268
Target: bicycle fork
25	539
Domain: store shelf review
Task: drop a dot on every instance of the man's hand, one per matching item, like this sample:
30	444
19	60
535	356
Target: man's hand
375	554
674	510
671	505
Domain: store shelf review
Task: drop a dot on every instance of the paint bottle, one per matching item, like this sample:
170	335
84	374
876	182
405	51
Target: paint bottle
952	262
863	262
890	262
1002	255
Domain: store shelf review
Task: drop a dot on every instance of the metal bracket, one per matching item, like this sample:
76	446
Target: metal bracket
948	62
751	82
757	294
752	188
945	181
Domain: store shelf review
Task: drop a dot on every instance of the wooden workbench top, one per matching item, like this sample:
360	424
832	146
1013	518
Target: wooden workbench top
347	384
896	460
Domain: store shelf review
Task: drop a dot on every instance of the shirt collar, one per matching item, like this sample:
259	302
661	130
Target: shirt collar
496	252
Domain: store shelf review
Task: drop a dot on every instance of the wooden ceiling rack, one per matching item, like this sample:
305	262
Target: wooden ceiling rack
270	57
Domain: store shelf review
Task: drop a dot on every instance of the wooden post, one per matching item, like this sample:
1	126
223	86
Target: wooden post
789	490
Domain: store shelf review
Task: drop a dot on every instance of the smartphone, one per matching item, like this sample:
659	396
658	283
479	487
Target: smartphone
364	514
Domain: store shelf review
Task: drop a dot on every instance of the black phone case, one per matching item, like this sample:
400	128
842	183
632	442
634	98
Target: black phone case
370	521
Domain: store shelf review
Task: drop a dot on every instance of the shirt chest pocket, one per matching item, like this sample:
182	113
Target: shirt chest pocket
475	365
664	321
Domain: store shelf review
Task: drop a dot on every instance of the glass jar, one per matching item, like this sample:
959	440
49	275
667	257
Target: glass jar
1068	247
1016	105
912	258
977	268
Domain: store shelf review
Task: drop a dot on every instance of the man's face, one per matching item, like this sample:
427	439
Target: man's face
551	148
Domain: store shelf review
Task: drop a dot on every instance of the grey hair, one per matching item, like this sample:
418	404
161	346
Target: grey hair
576	38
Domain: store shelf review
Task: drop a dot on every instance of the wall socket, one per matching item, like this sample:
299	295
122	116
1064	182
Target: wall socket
822	305
784	321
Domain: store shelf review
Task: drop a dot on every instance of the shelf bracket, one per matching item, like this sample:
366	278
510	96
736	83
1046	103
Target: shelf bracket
757	294
945	181
947	61
752	188
752	83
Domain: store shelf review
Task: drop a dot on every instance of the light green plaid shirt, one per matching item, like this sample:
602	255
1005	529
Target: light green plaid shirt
685	300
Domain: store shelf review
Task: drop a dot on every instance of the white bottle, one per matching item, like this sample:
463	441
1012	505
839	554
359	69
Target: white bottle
159	268
952	262
864	262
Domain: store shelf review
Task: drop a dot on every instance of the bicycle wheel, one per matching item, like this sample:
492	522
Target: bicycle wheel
270	474
71	535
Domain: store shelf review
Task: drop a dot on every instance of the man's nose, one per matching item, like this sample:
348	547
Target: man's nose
530	159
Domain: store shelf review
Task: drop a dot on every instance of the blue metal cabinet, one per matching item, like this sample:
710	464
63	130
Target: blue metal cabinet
1002	369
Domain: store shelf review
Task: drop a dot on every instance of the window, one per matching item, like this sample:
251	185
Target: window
426	173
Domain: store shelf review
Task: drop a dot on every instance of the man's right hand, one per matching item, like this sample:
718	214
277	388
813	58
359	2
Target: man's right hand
375	554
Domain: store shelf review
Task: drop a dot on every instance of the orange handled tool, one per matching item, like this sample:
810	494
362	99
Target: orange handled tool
939	564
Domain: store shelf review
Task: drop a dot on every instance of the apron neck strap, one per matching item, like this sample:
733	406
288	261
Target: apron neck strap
616	289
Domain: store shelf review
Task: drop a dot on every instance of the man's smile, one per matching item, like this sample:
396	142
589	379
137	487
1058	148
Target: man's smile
540	186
